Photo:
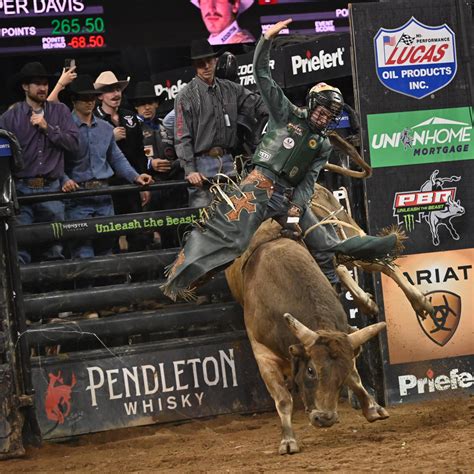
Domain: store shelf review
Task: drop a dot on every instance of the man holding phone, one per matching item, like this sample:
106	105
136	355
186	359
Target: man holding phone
68	75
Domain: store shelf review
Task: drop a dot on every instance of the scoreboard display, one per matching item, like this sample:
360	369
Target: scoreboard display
35	26
45	26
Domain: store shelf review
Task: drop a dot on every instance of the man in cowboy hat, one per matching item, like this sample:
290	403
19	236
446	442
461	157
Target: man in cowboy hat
45	132
220	18
97	159
159	148
129	138
206	112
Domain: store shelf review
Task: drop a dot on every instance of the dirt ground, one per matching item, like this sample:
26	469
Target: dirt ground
429	437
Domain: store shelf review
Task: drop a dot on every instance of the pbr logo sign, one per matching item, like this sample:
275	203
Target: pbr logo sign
433	203
415	59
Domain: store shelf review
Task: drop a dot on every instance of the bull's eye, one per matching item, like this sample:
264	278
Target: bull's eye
311	372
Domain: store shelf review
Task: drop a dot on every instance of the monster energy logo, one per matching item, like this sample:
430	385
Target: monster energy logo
57	230
409	221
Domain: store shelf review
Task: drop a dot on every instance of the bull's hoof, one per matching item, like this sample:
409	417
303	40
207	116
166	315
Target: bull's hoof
376	413
289	446
422	306
367	304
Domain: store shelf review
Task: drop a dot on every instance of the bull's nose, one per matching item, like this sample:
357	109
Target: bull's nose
323	419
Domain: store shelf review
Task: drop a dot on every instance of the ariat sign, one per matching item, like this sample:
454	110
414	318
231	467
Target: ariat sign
415	59
410	384
317	62
419	137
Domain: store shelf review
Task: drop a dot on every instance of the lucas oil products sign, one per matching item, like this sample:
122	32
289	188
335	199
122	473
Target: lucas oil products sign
416	59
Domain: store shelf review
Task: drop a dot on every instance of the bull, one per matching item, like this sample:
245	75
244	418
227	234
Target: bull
298	331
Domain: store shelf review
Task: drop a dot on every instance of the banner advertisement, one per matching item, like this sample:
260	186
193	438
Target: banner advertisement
120	224
320	60
447	280
414	93
416	59
156	383
432	206
420	137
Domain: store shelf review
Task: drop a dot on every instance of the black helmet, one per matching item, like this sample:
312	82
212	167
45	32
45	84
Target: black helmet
226	67
327	96
330	98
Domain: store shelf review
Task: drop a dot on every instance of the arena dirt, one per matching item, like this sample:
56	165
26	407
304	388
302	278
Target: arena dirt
429	437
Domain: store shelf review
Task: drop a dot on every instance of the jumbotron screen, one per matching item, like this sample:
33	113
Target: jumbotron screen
45	26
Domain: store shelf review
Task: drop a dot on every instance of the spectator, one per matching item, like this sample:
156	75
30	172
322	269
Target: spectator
159	148
129	138
45	130
220	18
206	122
92	165
67	76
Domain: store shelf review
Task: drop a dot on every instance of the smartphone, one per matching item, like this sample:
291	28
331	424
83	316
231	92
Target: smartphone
69	63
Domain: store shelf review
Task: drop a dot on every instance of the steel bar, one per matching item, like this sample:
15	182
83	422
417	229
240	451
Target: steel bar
174	317
110	265
50	304
125	188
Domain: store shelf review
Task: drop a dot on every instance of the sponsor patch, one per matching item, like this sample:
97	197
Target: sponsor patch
415	59
312	143
264	155
129	121
294	171
295	128
288	143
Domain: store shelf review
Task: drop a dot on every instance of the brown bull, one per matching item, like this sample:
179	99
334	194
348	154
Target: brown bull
276	277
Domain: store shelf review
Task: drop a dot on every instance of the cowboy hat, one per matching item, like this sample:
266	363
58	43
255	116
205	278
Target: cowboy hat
31	71
82	85
145	90
107	79
201	49
244	4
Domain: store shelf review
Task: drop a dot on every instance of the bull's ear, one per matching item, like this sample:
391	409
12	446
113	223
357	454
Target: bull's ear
297	350
363	335
305	335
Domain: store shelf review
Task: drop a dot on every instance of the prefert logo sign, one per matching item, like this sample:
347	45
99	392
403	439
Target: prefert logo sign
318	62
409	384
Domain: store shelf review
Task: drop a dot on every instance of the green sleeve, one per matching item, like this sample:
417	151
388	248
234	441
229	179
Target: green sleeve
279	107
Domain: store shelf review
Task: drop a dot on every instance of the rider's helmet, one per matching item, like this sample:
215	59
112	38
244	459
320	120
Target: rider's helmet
330	100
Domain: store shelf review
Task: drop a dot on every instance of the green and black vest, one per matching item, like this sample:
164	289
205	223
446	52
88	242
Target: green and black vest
288	151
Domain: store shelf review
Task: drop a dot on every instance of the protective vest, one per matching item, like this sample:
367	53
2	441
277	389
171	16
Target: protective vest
288	151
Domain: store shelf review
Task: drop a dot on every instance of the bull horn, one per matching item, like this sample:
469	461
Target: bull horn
305	335
363	335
